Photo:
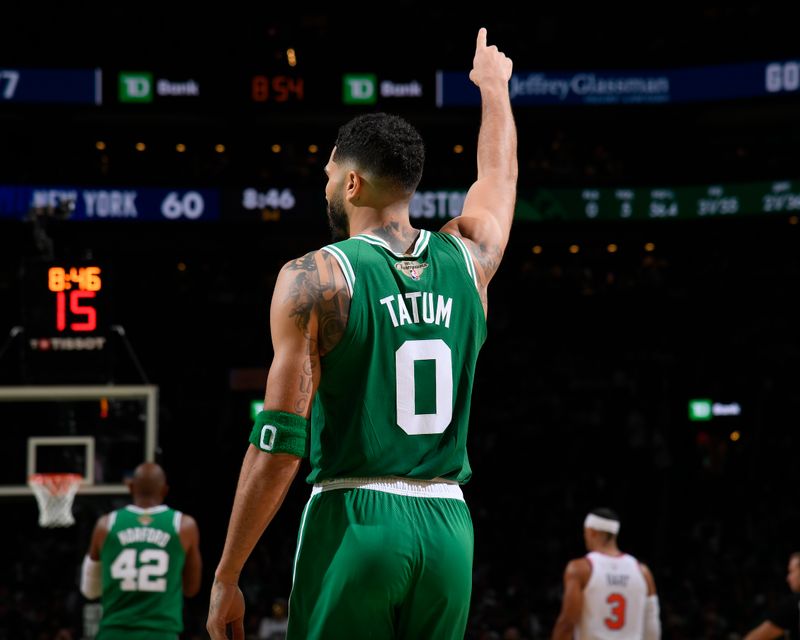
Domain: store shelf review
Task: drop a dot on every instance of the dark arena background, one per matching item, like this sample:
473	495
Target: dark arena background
157	171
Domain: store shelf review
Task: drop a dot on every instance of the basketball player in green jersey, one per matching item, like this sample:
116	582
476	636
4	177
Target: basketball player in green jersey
375	340
143	559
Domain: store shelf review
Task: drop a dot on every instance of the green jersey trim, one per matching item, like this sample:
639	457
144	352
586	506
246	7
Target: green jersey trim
176	518
134	509
373	240
467	259
422	242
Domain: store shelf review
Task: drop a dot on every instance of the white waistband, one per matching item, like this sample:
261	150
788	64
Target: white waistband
436	488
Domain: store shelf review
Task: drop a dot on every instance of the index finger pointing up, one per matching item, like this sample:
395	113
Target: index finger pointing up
481	38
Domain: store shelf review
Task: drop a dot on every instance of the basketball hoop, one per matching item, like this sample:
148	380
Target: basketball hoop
55	493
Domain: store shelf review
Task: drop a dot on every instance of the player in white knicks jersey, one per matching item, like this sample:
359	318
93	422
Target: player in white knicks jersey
608	594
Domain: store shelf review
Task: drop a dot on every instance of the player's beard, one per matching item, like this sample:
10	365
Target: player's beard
337	219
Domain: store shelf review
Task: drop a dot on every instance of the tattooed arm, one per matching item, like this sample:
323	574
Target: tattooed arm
308	314
485	221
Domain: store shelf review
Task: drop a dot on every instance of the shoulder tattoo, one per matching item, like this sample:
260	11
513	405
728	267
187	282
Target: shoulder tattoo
319	284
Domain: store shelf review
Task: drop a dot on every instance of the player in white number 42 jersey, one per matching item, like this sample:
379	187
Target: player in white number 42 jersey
608	594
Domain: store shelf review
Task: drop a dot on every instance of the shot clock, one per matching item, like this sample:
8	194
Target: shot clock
66	317
75	288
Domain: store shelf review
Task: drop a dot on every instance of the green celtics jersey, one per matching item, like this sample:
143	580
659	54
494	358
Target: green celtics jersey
142	559
395	392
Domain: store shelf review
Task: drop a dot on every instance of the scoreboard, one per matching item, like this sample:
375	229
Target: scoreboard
661	203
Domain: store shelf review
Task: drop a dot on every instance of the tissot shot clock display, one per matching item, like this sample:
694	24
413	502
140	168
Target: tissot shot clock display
76	290
66	318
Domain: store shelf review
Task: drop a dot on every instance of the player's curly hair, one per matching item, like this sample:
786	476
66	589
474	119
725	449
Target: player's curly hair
384	144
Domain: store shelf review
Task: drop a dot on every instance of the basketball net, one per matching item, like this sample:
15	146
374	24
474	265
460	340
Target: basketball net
55	493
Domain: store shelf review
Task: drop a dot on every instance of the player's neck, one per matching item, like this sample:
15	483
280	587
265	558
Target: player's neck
608	550
147	503
395	229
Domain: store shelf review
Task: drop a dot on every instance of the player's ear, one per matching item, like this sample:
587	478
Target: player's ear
128	482
353	185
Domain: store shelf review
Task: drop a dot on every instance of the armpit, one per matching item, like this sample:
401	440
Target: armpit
488	257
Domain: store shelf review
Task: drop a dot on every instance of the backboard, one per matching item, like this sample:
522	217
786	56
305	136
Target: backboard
100	432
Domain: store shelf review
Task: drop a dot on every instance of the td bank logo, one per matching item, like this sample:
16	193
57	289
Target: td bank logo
359	88
135	87
700	410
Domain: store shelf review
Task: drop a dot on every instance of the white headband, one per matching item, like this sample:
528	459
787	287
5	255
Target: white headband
601	524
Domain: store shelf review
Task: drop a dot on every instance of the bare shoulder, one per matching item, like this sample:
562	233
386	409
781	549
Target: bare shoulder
313	288
648	577
99	535
188	523
189	532
578	569
102	522
317	267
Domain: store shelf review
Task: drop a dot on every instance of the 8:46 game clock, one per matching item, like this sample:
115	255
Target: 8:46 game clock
79	285
66	318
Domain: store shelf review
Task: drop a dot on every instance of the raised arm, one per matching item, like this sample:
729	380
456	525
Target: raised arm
265	477
485	221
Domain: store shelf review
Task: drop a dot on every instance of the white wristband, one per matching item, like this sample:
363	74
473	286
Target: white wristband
91	578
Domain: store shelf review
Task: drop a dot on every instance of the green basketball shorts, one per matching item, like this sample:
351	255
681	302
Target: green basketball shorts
382	558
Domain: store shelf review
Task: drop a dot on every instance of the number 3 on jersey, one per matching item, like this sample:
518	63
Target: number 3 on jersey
617	618
424	370
144	573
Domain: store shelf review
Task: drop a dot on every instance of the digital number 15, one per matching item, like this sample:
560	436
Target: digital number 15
76	309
